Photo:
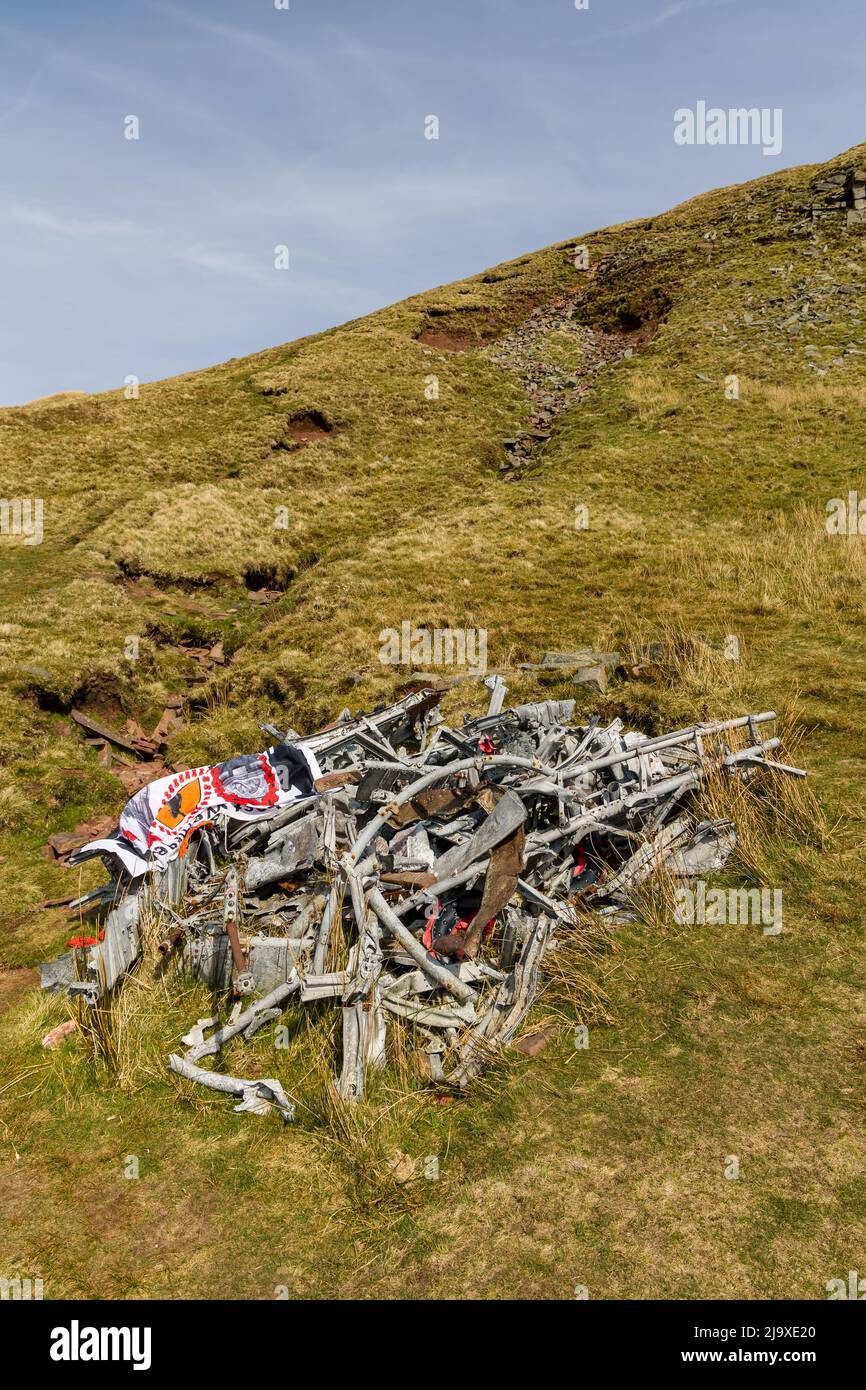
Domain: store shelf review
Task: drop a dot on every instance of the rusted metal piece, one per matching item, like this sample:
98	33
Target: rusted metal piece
500	884
408	879
102	731
331	780
168	943
242	980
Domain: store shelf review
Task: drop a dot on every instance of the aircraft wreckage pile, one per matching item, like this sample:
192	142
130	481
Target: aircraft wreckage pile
438	863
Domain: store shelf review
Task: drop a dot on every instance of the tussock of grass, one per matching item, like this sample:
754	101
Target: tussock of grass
653	395
571	984
791	563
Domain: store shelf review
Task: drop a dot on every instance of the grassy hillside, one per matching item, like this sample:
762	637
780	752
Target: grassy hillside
603	1168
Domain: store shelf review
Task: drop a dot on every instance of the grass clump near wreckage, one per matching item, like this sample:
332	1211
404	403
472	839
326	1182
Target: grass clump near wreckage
702	517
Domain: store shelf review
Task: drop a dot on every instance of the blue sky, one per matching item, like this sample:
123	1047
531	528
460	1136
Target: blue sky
305	127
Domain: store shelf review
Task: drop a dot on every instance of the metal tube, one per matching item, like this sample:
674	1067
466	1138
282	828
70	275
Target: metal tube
432	970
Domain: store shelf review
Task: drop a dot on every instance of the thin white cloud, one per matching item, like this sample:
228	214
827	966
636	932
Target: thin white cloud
21	99
58	224
664	16
349	206
221	261
99	233
273	50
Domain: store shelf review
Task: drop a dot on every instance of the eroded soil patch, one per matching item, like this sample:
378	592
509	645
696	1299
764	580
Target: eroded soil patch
449	342
306	428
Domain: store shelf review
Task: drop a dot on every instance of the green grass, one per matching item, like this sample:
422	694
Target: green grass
603	1167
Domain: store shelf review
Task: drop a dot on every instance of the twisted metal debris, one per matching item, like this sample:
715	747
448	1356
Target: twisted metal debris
449	858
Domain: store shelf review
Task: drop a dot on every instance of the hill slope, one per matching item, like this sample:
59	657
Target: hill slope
361	479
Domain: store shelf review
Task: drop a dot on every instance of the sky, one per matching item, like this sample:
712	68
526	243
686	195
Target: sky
307	128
